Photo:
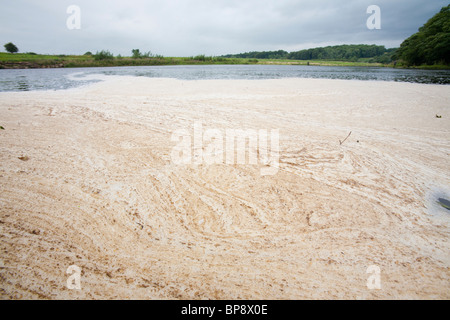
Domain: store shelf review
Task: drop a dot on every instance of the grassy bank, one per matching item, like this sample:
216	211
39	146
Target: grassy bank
27	60
31	60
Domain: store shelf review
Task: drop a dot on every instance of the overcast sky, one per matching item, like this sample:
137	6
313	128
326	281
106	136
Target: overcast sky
214	27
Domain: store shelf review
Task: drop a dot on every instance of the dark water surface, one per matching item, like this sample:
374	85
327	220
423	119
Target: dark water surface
57	79
444	203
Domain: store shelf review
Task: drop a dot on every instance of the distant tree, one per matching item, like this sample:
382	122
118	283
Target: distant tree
11	47
146	55
103	55
136	54
200	57
88	53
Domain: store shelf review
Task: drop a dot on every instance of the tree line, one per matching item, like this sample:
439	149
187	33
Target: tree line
341	52
280	54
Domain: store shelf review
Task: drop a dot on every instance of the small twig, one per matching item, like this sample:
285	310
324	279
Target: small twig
341	142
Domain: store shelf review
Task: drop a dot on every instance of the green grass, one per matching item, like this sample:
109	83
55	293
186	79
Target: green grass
30	60
11	60
8	60
4	57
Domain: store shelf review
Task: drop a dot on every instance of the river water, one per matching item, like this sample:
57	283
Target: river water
59	79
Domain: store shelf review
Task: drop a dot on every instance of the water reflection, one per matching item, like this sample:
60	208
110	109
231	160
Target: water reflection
56	79
444	203
23	85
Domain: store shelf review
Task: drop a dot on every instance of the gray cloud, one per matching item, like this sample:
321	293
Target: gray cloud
215	27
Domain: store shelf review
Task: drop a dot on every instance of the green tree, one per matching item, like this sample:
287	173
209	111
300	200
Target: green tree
136	54
103	55
11	47
431	44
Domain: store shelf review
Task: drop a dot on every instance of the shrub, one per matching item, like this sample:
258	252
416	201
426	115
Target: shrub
103	55
202	57
136	54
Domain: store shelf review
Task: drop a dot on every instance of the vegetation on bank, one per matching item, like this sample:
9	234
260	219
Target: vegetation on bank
430	45
106	59
32	60
350	53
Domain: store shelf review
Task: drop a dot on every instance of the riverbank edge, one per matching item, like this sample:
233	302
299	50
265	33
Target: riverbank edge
88	62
